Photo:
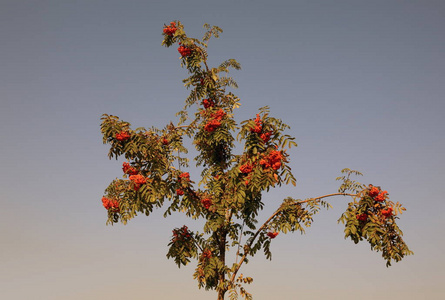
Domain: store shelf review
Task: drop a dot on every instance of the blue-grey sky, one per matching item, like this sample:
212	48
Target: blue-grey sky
361	83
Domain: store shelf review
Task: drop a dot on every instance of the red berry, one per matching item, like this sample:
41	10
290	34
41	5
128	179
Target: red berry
362	217
272	235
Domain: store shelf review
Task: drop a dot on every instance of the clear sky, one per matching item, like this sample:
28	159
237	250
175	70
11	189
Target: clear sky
361	83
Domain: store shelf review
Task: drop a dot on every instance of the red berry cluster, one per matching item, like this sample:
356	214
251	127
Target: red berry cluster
184	51
258	125
122	136
185	176
170	30
206	254
387	212
179	192
110	204
266	136
219	115
377	194
212	125
273	160
138	180
246	168
180	234
362	217
272	235
215	122
165	141
206	202
381	197
208	103
258	129
129	169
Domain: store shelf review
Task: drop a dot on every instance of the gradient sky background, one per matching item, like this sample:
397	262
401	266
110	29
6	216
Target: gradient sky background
361	83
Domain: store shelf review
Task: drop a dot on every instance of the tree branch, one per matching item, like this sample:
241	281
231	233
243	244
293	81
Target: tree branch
248	245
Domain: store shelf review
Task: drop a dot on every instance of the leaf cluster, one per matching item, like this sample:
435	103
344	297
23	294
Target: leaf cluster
379	229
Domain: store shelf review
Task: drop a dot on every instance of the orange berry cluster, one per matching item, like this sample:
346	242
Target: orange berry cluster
122	136
213	124
246	168
273	160
265	136
110	204
184	51
138	180
206	202
170	30
258	125
185	176
378	196
129	169
387	212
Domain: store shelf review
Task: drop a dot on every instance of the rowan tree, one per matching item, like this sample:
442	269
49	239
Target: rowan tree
228	194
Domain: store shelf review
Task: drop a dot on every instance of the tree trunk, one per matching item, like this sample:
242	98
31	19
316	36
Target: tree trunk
222	257
221	294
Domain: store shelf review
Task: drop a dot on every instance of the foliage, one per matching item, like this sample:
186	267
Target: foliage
228	196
